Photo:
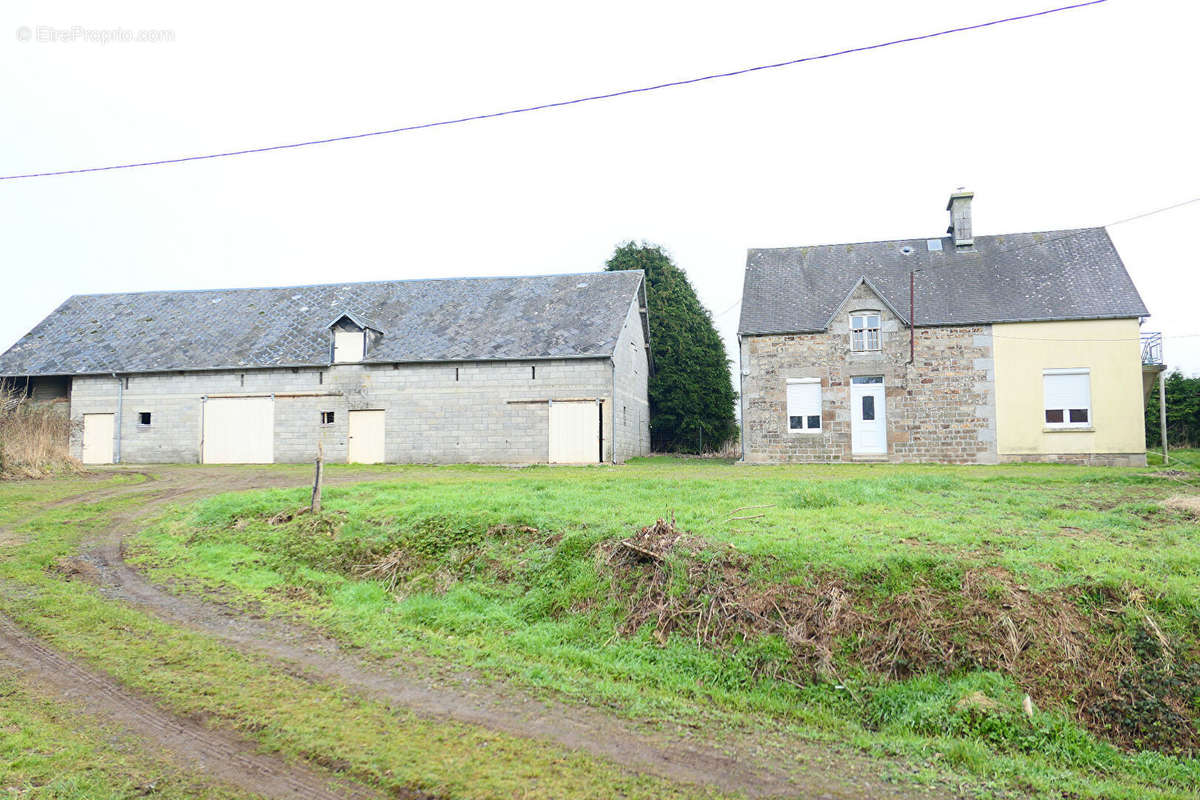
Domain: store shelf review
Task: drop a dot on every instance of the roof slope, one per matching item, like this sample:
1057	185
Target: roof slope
461	319
1057	275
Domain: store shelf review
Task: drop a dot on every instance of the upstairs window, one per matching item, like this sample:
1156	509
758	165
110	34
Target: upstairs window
804	404
348	346
1067	395
864	330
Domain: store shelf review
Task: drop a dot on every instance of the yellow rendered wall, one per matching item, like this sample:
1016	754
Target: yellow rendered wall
1110	348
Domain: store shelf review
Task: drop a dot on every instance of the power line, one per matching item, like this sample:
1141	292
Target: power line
561	103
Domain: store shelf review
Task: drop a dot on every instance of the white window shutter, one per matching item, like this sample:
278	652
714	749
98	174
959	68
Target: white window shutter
1070	390
804	401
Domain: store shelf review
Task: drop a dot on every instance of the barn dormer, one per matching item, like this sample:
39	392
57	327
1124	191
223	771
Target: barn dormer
350	338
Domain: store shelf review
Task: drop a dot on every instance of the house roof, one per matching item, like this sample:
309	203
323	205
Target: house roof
461	319
1022	277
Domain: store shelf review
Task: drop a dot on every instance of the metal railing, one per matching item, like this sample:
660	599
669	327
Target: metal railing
1152	352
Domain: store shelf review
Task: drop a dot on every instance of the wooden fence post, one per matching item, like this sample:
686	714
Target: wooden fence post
318	478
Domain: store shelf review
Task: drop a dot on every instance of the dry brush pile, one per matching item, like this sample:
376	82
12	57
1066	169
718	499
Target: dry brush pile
1097	654
34	437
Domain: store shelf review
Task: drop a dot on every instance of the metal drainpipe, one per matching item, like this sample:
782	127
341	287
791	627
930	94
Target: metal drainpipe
120	413
612	432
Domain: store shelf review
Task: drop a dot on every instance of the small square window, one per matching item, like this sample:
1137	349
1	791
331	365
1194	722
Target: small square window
326	417
814	421
1078	415
1054	415
143	418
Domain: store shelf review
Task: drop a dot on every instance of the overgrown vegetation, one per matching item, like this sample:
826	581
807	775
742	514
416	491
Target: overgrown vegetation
691	390
34	437
908	609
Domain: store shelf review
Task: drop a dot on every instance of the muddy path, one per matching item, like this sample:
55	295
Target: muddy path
426	688
189	744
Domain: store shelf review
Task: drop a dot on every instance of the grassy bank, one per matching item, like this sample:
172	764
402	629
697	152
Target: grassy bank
193	675
916	606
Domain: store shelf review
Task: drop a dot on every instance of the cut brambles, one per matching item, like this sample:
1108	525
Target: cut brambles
1094	653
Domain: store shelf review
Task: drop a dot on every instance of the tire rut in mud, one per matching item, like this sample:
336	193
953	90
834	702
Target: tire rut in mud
227	759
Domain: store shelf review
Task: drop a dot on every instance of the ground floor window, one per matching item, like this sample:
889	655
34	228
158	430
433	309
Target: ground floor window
1067	396
804	404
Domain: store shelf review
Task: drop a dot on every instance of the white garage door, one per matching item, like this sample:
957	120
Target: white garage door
97	438
575	432
365	444
239	430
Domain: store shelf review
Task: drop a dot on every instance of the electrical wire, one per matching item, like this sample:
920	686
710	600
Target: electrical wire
560	103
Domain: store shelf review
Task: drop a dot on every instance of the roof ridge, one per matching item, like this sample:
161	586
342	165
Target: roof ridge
358	283
922	239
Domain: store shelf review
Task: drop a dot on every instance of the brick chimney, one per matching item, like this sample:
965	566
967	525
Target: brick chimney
960	218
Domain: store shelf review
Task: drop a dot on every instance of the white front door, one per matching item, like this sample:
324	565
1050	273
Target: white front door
574	432
97	438
366	439
868	418
239	430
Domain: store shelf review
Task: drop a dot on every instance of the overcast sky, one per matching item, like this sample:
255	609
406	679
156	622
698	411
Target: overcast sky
1069	120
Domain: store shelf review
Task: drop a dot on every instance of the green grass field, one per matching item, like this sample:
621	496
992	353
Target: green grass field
1075	585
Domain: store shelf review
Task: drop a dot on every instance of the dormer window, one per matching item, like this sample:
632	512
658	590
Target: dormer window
864	330
351	338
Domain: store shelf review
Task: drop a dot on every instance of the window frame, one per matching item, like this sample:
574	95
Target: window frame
806	418
145	419
867	334
331	415
1066	423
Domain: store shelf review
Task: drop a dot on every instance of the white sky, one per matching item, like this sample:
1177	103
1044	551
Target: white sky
1069	120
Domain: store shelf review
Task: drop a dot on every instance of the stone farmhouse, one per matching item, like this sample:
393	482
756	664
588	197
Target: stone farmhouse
495	370
961	349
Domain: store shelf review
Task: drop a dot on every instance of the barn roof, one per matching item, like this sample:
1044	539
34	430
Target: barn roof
460	319
1022	277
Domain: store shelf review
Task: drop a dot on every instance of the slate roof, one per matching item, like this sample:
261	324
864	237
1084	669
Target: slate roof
461	319
1022	277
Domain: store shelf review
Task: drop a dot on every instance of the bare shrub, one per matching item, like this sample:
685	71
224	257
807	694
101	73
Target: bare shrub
34	437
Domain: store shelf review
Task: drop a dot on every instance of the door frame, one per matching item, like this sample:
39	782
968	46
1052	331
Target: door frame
878	390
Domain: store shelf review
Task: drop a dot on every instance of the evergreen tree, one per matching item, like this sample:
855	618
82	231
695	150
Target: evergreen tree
691	391
1183	413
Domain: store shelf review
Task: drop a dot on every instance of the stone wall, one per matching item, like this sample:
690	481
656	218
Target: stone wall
939	409
484	412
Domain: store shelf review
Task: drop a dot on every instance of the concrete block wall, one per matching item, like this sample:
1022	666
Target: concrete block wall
939	409
483	412
631	375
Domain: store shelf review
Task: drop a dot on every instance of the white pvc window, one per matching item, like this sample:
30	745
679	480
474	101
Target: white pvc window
804	404
348	346
864	330
1067	397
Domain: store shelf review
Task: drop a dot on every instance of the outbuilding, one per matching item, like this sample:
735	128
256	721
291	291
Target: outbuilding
490	370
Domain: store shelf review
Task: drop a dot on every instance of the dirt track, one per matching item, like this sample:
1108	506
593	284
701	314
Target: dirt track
309	654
